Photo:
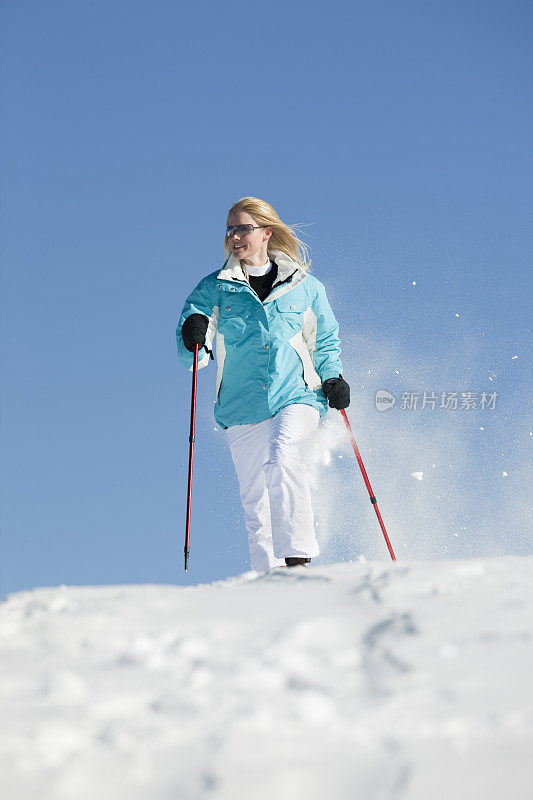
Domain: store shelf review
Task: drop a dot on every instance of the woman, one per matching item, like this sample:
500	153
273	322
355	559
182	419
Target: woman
278	359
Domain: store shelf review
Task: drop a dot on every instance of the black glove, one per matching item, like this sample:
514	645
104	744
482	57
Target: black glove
337	391
193	331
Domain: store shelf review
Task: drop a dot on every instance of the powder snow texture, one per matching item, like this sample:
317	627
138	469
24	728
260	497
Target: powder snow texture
362	680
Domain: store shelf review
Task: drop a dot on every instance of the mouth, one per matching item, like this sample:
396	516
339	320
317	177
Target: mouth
237	247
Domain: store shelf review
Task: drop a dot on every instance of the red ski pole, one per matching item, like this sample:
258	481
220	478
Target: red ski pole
367	484
191	455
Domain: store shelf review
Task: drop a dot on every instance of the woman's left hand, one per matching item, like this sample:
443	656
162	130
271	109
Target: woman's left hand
338	392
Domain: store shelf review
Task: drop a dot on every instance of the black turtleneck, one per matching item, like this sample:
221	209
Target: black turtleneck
262	284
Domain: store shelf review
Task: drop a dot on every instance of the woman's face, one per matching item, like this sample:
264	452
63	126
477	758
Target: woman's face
253	245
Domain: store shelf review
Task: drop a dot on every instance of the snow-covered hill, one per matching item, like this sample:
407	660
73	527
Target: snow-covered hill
362	680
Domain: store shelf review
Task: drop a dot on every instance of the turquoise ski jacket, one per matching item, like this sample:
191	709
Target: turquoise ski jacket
269	354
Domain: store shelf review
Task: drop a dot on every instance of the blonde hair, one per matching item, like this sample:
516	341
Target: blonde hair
283	237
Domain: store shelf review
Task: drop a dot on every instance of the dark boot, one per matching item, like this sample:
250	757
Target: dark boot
297	562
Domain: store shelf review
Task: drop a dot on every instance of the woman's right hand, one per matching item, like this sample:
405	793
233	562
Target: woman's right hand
193	331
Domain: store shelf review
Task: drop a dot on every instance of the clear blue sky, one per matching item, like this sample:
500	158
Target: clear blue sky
399	131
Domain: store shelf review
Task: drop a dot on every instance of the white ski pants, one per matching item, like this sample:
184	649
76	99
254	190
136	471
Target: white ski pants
273	485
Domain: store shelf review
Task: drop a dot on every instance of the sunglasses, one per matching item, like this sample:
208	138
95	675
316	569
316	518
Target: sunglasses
242	230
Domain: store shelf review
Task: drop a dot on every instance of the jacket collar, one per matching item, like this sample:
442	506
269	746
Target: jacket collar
232	271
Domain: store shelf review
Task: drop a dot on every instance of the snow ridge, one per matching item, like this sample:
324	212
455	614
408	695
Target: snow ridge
365	680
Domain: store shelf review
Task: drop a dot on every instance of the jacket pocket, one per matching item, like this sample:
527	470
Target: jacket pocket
291	312
232	329
231	322
234	318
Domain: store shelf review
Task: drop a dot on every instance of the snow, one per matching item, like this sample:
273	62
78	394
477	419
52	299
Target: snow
358	680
